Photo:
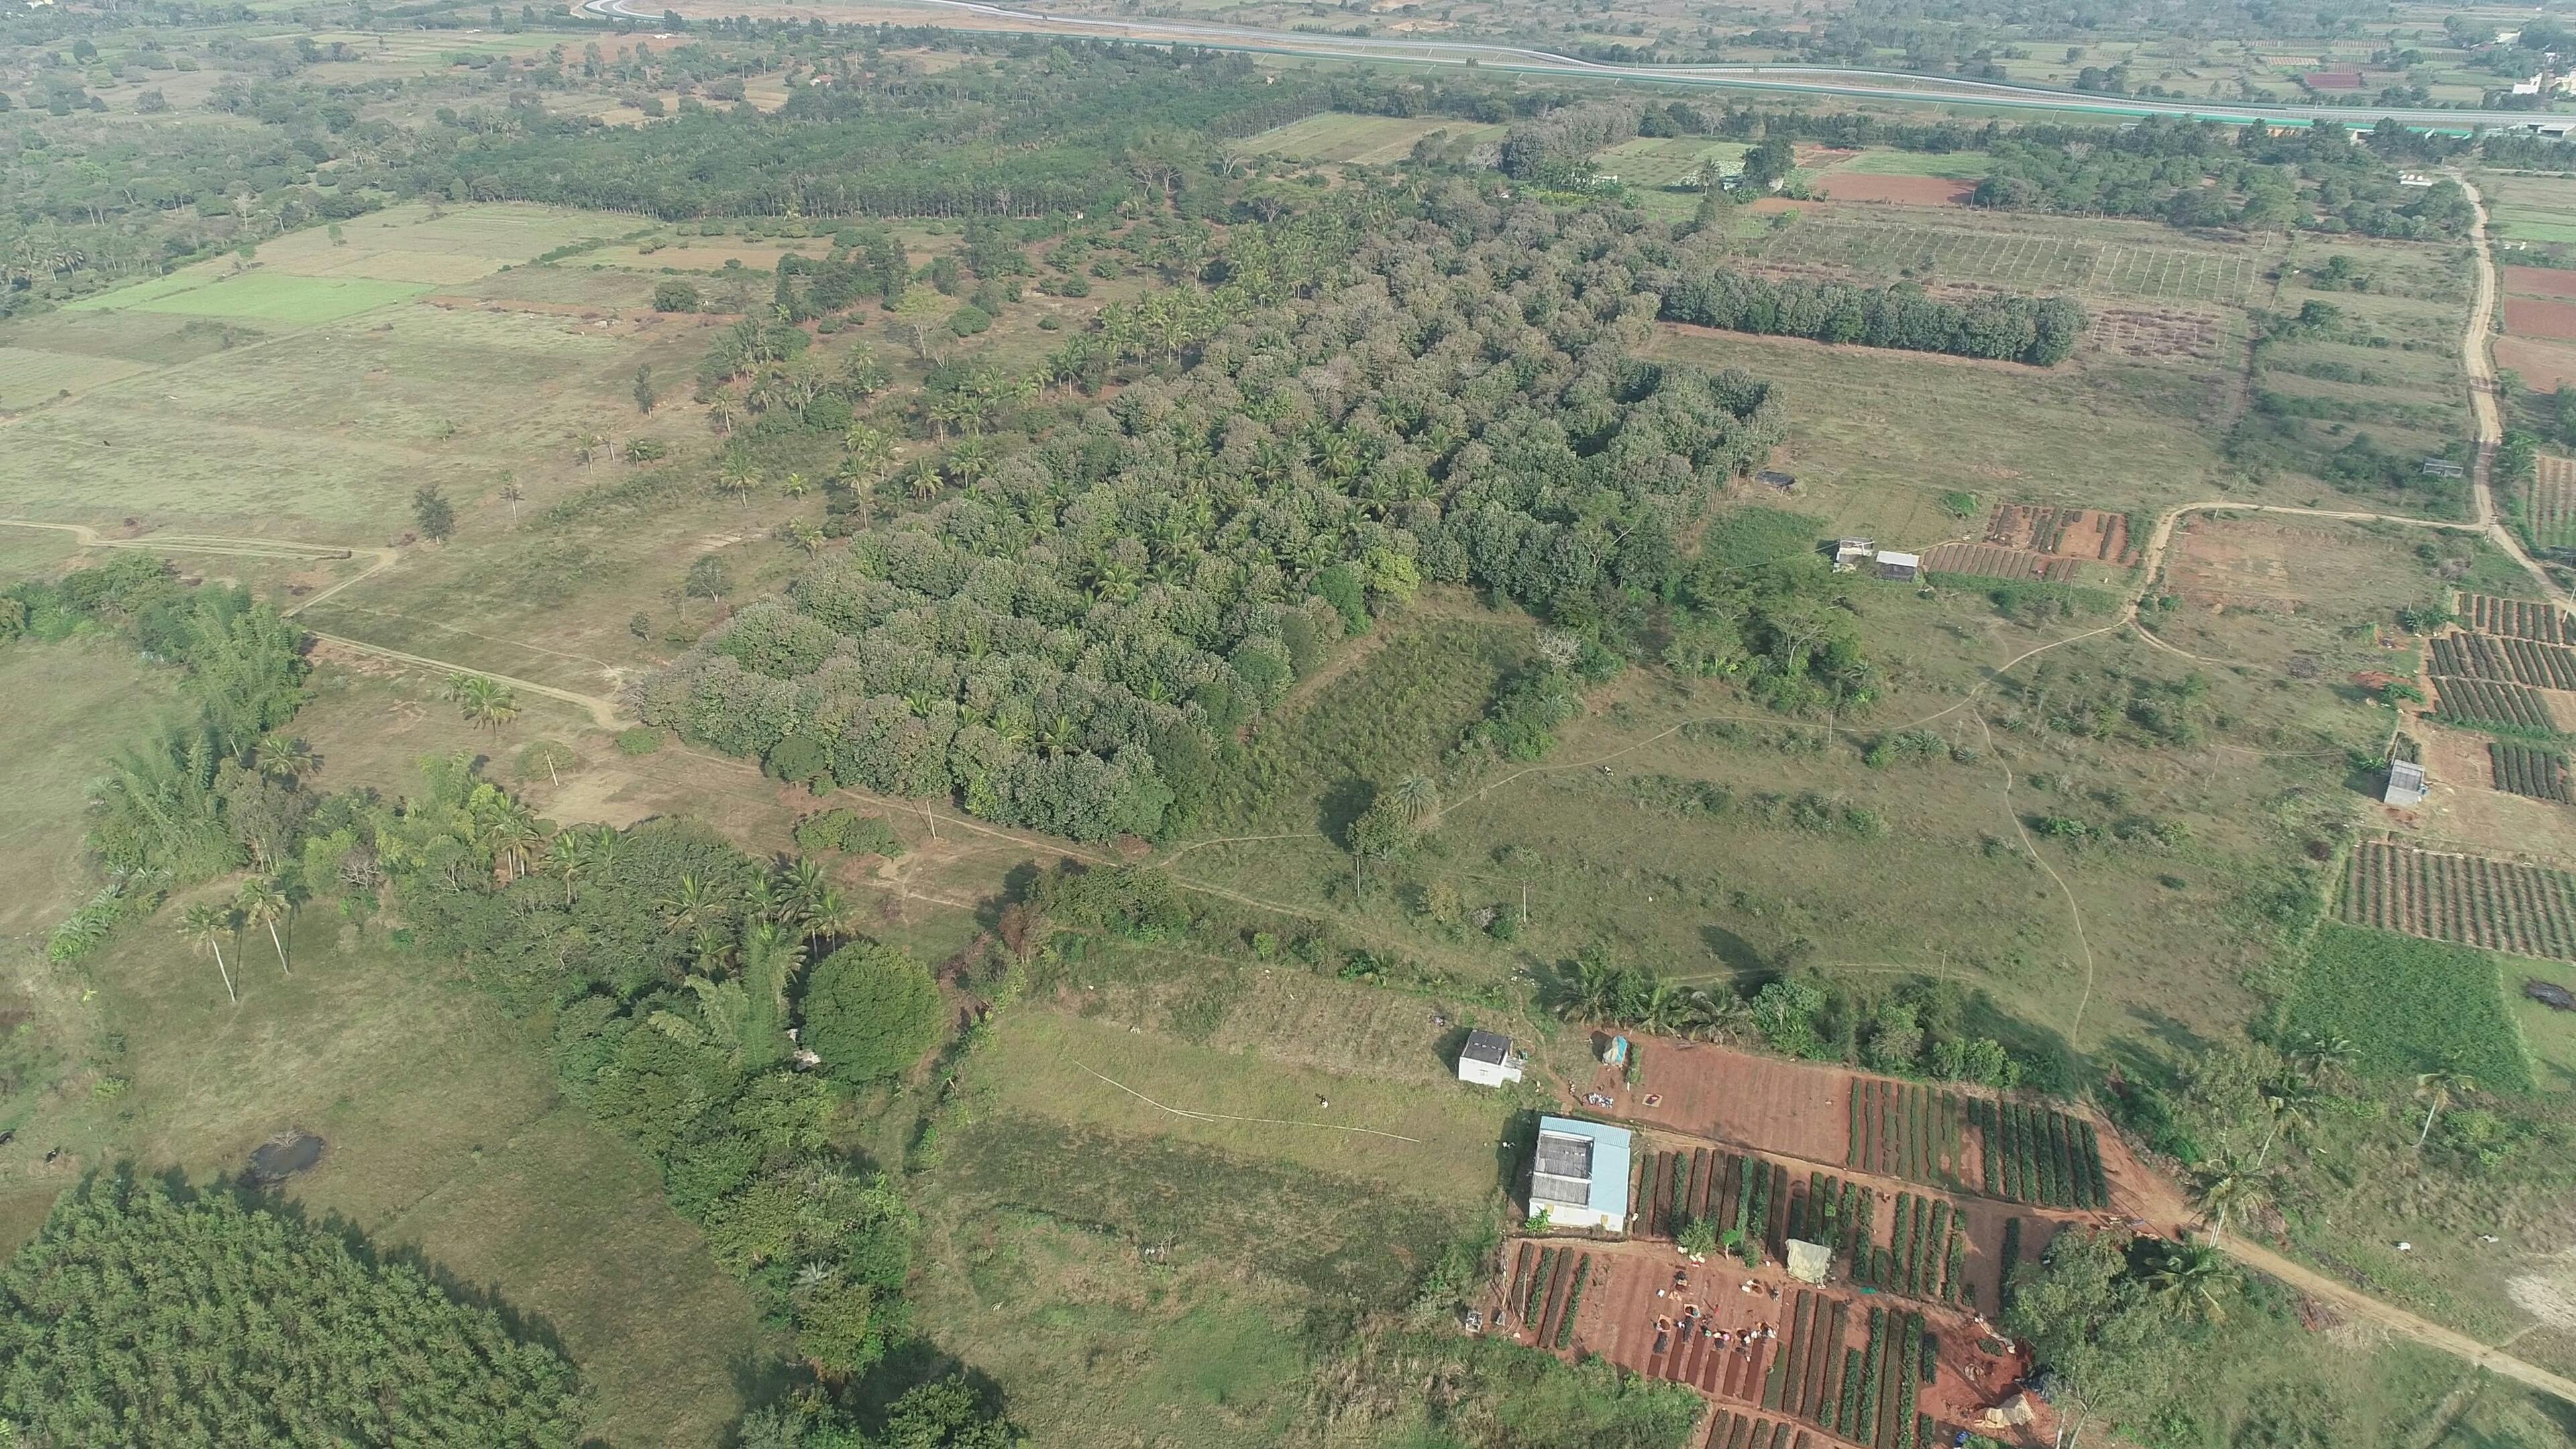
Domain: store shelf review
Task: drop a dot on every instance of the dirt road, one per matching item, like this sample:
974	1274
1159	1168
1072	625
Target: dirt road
2477	359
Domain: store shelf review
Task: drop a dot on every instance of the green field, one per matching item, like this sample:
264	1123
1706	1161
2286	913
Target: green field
2410	1005
1362	140
260	296
1948	165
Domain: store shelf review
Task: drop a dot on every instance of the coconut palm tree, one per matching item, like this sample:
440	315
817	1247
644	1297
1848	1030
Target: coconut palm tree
2437	1090
261	903
2289	1104
2321	1058
514	838
690	905
483	700
794	485
203	925
2230	1189
2193	1275
923	480
288	760
580	852
1417	800
1719	1015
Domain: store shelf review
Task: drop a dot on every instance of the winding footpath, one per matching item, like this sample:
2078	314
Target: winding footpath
603	712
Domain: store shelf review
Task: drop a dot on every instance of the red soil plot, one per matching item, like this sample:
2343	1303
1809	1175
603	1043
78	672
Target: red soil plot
1632	1303
1792	1109
2531	317
1902	190
2544	366
2540	281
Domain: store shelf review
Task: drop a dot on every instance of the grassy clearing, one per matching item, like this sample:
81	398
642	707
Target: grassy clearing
1363	140
260	296
1345	1240
29	377
1453	1160
1863	461
367	412
1668	161
2550	1035
447	1136
1096	1346
1317	759
2410	1005
1614	836
73	704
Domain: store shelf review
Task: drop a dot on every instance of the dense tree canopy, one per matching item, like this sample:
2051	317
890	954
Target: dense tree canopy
143	1315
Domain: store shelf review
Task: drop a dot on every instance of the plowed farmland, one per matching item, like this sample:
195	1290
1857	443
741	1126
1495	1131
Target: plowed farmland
2529	770
2532	317
2486	704
2504	657
2496	904
1986	561
2516	618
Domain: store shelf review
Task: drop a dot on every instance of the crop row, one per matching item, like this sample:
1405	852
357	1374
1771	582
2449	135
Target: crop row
2529	770
2041	1155
2011	1260
1905	1129
2487	704
1733	1430
1733	1193
2493	904
2516	619
2518	661
1573	1302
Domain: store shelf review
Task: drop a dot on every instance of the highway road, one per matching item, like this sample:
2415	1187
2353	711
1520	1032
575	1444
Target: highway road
1858	83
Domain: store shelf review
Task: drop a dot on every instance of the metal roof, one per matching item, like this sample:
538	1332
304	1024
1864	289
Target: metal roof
1485	1046
1581	1164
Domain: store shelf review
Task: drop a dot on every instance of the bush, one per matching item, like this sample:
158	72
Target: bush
850	832
870	1012
675	296
638	741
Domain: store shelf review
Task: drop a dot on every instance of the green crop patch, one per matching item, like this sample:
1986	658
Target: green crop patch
2410	1005
266	297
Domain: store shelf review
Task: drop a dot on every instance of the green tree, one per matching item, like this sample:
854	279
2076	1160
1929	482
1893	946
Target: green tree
645	395
870	1011
432	514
